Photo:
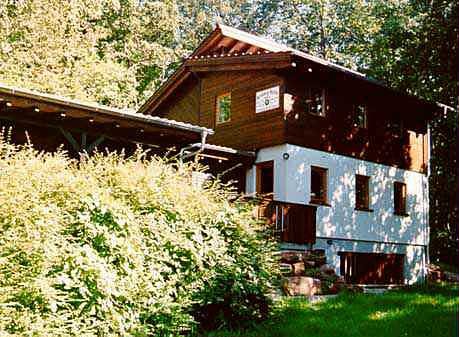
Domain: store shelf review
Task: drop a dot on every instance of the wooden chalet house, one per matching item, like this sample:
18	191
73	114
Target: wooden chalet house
342	158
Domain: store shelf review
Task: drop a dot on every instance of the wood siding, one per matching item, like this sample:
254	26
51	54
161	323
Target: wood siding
336	133
183	105
194	102
246	130
372	268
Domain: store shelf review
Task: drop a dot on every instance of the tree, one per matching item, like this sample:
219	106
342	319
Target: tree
108	51
50	46
198	18
416	51
143	37
339	31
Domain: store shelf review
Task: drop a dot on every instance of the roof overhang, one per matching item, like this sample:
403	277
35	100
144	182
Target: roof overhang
32	107
258	61
211	154
227	62
225	46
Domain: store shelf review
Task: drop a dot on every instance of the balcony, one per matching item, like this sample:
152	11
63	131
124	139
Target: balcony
292	223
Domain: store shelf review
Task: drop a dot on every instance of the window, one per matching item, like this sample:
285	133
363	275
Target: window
360	116
399	198
362	192
315	102
223	107
318	185
395	127
265	177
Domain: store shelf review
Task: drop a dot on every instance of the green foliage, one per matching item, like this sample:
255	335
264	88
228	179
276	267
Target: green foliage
117	52
109	246
313	272
90	50
413	312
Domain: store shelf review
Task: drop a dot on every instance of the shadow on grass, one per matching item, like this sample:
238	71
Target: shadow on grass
417	311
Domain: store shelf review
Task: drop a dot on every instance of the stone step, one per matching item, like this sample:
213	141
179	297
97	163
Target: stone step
301	286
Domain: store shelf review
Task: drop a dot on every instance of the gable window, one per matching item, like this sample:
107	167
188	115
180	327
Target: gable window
362	192
399	198
223	107
319	177
265	177
360	116
315	102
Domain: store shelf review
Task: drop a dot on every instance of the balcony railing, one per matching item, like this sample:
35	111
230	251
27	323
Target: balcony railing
294	223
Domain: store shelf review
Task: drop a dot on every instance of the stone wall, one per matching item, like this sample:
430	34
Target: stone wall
306	273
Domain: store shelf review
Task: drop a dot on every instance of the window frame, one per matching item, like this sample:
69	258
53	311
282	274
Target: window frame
324	186
259	167
400	206
217	108
309	101
355	116
366	190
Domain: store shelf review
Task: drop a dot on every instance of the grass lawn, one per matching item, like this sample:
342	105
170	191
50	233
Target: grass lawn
422	311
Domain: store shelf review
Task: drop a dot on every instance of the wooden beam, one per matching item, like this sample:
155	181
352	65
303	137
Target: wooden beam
226	42
245	62
70	139
267	57
150	136
95	144
229	46
233	67
209	42
238	47
100	125
253	49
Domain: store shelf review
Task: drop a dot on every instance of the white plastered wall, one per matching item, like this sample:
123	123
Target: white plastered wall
340	221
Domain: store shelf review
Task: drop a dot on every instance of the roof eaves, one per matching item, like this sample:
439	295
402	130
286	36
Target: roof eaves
267	44
180	71
225	149
101	109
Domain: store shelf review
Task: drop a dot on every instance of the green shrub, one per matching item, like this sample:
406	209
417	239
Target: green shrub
313	272
108	246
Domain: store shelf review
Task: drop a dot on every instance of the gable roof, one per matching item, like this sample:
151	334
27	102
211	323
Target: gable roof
225	42
272	46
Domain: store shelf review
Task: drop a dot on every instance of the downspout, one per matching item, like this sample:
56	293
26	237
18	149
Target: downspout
427	204
201	145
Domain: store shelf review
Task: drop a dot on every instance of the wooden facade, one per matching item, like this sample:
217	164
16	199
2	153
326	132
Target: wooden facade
291	223
395	131
372	268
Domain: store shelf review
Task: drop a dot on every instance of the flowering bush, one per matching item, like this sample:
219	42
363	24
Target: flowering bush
108	246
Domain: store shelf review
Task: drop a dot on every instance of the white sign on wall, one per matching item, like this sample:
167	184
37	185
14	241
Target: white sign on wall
267	99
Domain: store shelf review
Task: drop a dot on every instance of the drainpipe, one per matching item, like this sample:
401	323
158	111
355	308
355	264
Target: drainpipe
427	204
201	145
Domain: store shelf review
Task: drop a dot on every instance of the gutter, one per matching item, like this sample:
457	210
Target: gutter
200	146
204	146
101	109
